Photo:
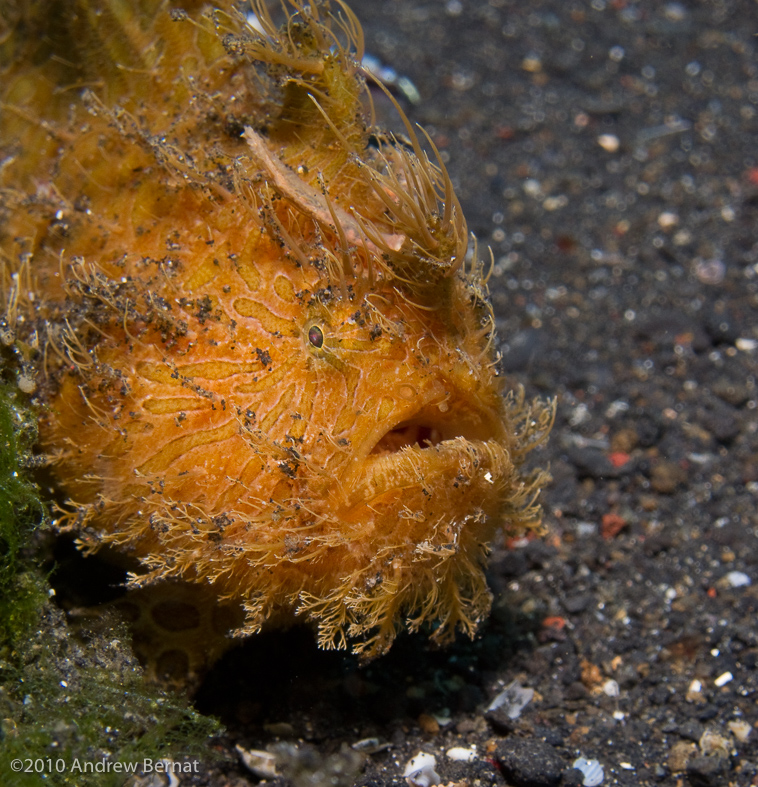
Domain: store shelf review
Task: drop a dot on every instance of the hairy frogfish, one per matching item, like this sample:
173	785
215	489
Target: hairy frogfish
257	325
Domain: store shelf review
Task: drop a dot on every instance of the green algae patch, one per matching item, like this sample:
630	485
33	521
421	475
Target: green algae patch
72	710
72	704
21	512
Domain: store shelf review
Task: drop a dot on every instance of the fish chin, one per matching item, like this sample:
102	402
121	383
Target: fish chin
424	494
416	522
457	464
416	526
455	456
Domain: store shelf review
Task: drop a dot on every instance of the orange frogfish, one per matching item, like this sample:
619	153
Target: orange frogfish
260	335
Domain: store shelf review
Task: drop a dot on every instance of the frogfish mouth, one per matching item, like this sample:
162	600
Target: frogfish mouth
258	326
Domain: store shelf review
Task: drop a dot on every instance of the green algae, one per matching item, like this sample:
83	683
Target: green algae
72	709
21	512
70	703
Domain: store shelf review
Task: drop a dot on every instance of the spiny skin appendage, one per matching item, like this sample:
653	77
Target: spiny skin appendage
268	366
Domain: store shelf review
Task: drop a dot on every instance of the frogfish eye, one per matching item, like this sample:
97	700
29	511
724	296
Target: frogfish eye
315	336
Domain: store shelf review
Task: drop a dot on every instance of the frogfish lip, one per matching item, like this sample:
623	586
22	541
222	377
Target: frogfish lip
434	446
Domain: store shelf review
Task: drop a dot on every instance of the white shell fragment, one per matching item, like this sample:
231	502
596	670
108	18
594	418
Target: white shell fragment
370	745
723	679
389	76
592	770
694	692
667	219
711	742
172	780
746	345
740	729
611	688
419	772
609	142
260	763
443	717
27	383
737	579
460	754
513	699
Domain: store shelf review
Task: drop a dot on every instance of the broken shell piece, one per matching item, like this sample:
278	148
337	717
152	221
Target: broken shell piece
261	763
734	579
419	772
713	744
611	688
443	717
370	745
667	219
695	692
512	699
681	753
592	770
459	754
740	729
28	385
609	142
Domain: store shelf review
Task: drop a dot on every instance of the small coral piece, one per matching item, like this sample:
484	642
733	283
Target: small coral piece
268	358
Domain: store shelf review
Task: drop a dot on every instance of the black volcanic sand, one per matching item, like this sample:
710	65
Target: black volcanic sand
608	152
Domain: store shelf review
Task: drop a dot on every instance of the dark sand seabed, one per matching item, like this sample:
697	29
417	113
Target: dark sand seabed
607	150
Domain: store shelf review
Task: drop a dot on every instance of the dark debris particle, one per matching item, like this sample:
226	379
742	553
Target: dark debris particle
691	730
722	327
723	422
521	350
530	762
577	602
710	771
264	356
573	778
500	721
593	463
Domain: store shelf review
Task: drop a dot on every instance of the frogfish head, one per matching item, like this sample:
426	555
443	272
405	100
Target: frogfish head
270	367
